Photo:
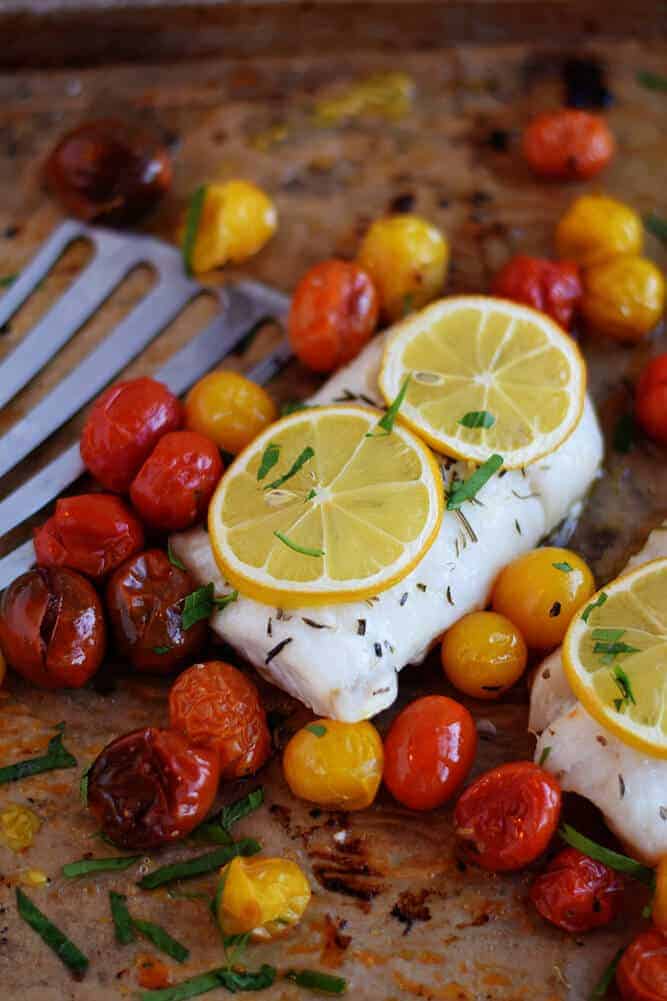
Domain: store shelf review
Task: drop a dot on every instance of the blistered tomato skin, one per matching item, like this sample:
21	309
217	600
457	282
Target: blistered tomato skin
261	896
91	533
145	599
651	399
641	974
483	655
151	787
507	817
337	765
552	287
236	221
595	228
333	314
123	427
229	409
568	145
52	629
172	489
577	893
624	298
216	706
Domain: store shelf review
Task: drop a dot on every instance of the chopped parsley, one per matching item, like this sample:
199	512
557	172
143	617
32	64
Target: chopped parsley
387	421
478	419
303	550
192	221
57	756
269	459
467	489
202	603
300	461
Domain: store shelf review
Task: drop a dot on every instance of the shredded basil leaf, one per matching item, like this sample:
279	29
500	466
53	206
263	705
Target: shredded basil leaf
83	785
199	865
314	980
88	866
317	729
604	983
478	419
222	977
654	81
240	808
161	650
565	567
192	221
624	433
657	226
621	863
56	757
300	461
161	939
303	550
63	947
122	920
546	751
469	488
202	603
6	280
173	558
607	635
598	603
269	459
388	419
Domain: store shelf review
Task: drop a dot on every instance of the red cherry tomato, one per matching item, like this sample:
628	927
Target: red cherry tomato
576	893
429	750
507	817
333	314
568	144
52	629
145	599
91	533
651	399
552	287
172	489
150	787
216	706
124	426
641	974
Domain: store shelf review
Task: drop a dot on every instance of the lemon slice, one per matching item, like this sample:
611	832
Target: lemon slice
324	507
508	372
615	657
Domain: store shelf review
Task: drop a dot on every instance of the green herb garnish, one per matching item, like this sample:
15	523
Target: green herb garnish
222	977
311	494
598	603
269	459
565	567
313	980
621	863
161	650
83	785
192	221
546	751
202	603
304	550
657	226
387	421
240	808
173	558
612	650
408	303
478	419
292	406
300	461
624	433
623	682
6	280
199	865
317	729
63	947
654	81
469	488
122	921
606	980
56	757
161	939
88	866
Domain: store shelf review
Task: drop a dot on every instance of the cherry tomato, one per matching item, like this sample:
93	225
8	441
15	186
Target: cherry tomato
429	750
263	897
216	706
576	893
108	169
91	533
507	817
123	427
552	287
659	908
145	599
150	787
641	974
333	314
229	409
172	489
651	399
624	298
52	629
483	654
335	764
568	144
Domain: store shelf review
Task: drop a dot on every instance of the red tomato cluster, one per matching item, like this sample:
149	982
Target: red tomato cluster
554	287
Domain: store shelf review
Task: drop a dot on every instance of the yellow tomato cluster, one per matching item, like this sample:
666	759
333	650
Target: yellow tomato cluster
236	220
261	896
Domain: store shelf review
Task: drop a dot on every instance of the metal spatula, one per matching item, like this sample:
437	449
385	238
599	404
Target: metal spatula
241	307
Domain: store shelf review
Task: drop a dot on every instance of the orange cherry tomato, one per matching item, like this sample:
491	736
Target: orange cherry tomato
641	974
429	750
569	145
91	533
577	893
172	489
333	314
554	287
651	399
216	706
508	816
123	427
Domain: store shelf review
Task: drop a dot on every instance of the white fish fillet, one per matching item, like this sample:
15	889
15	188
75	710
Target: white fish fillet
629	787
346	668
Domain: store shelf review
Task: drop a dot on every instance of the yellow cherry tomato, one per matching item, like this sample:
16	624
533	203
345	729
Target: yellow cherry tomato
483	654
263	896
338	765
595	228
18	827
540	592
229	409
659	909
237	219
623	297
407	259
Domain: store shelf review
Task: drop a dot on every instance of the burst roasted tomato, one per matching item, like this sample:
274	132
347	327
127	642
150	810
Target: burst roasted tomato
91	533
641	974
145	599
150	787
569	145
123	427
507	817
651	399
216	706
335	764
260	897
52	628
172	489
577	893
429	750
552	287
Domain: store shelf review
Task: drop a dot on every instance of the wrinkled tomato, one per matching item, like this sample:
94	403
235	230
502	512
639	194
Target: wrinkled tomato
569	145
150	787
91	533
216	706
172	489
123	427
552	287
577	893
145	598
507	817
52	629
641	974
651	399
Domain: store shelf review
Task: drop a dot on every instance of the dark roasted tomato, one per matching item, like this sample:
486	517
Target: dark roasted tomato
507	817
172	489
92	533
150	787
52	629
569	145
145	599
108	170
123	427
216	706
641	974
554	287
576	893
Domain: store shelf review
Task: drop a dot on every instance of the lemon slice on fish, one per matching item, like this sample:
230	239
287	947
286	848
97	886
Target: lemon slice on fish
615	657
325	506
486	375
